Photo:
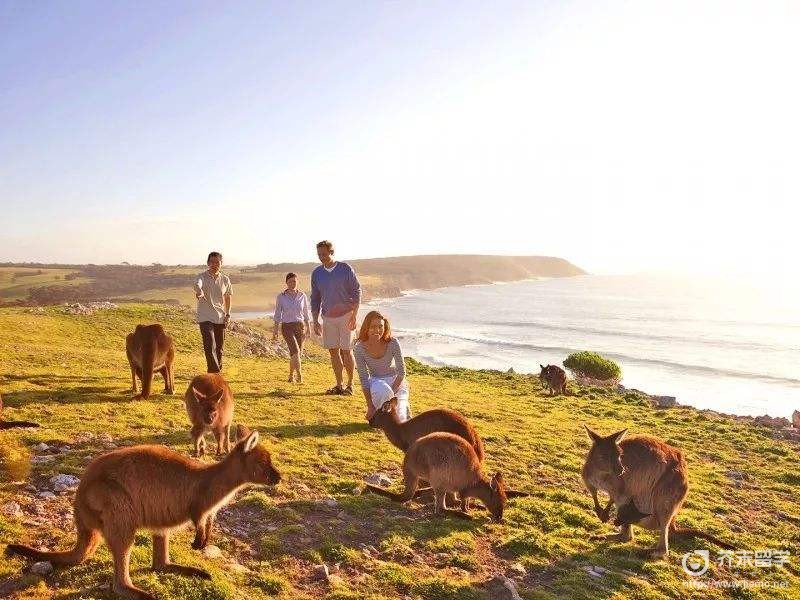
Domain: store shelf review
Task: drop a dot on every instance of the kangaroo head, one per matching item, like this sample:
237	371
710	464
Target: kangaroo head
254	460
497	502
208	404
605	455
385	415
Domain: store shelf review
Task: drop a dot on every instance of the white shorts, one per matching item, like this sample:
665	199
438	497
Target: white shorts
380	389
336	333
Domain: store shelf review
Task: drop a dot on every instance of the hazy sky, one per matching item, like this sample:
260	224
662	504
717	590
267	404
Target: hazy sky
620	135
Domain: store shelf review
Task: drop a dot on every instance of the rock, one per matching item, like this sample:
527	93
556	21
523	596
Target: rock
321	572
511	371
63	482
664	401
43	458
238	568
12	509
212	551
329	502
46	495
796	419
380	479
43	568
593	571
517	570
505	589
41	447
76	308
772	422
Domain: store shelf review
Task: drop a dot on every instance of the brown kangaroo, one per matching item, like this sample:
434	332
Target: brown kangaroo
12	424
155	488
150	349
209	404
645	470
555	378
450	463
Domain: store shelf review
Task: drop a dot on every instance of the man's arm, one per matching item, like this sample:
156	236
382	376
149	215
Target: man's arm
316	302
226	299
355	293
198	288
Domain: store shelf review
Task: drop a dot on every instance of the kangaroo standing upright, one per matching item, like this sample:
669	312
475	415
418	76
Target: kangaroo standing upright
209	404
150	349
155	488
646	471
555	378
12	424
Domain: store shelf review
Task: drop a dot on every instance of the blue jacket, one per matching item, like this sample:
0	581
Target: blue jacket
340	286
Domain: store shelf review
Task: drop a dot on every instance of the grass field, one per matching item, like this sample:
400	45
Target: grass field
70	374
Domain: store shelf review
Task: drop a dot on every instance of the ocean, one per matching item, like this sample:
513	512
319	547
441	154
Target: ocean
723	345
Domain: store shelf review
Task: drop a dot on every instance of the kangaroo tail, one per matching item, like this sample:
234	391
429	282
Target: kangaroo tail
88	539
149	349
692	532
13	424
404	497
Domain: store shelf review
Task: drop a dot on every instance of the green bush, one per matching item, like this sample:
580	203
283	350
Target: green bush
591	364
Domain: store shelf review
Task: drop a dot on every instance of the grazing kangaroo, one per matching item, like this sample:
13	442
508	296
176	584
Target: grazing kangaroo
450	463
555	378
12	424
155	488
209	404
150	349
645	470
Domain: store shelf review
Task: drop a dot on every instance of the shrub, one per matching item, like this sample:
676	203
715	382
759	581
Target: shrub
591	365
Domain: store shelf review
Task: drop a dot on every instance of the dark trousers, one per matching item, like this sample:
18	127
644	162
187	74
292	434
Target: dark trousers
213	340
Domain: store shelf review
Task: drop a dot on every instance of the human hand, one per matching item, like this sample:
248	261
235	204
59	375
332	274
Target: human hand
351	323
317	328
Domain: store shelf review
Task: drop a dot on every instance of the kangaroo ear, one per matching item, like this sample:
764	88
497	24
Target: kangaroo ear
592	435
242	431
617	437
497	480
392	404
250	442
198	395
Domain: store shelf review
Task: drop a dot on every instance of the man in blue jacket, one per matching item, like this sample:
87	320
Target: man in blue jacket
336	294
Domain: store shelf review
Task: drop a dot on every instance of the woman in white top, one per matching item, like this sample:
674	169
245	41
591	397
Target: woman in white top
375	351
291	312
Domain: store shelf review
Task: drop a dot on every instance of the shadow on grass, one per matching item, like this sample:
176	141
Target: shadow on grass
320	430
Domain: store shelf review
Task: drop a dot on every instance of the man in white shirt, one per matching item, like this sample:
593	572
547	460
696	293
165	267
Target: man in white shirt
213	290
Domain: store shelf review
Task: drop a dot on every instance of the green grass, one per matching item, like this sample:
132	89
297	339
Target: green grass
70	374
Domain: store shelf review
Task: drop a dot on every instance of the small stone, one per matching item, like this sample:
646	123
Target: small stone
41	447
592	571
46	495
12	509
64	481
212	551
330	502
321	572
44	458
43	568
508	589
380	479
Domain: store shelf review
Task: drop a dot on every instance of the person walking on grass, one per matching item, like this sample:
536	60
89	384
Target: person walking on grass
212	288
336	295
375	351
291	313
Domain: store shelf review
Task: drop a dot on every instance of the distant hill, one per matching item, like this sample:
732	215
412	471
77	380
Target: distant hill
255	287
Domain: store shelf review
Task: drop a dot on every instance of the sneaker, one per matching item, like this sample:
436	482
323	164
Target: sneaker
335	391
348	391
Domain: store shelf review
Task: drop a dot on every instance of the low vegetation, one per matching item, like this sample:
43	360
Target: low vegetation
592	365
69	373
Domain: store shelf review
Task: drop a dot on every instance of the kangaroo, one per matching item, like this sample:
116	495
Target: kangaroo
209	404
12	424
150	349
155	488
555	378
450	463
645	470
